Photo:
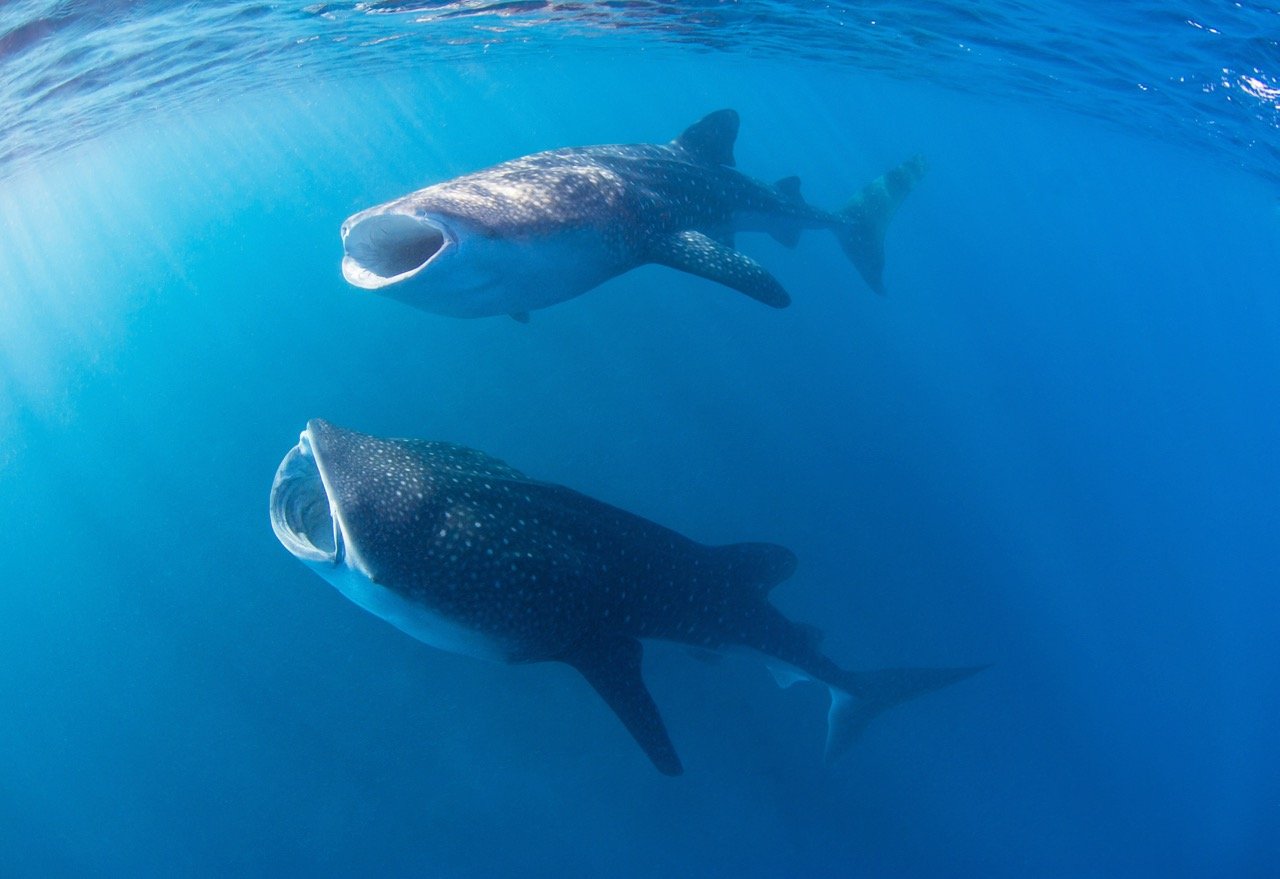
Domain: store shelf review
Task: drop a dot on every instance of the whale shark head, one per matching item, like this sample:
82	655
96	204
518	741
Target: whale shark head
382	247
430	257
337	495
378	520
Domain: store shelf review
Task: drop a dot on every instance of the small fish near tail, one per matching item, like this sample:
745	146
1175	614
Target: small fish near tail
862	695
868	214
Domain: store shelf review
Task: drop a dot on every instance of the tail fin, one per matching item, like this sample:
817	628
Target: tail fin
868	214
876	691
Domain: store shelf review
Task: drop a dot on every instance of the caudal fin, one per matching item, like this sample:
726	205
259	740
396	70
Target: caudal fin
868	215
867	693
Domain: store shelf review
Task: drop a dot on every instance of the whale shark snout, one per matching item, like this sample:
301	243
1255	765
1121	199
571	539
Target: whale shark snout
381	249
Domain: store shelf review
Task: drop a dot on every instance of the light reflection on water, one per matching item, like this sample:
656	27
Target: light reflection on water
69	71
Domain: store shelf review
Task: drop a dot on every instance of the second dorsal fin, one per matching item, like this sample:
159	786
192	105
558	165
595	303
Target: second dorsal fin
789	188
759	565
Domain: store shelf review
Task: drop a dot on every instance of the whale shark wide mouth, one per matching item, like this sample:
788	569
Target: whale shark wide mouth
300	509
385	249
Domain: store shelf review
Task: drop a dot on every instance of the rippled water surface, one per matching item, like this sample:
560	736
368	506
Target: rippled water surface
1206	74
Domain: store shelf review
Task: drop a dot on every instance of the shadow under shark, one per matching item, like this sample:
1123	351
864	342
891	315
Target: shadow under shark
538	230
469	555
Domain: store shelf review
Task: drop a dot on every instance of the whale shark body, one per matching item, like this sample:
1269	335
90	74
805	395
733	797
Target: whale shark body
467	554
544	228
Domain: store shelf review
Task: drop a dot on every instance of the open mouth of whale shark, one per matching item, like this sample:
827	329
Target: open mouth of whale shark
301	514
385	249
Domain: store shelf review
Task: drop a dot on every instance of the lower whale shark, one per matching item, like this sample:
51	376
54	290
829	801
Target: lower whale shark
467	554
537	230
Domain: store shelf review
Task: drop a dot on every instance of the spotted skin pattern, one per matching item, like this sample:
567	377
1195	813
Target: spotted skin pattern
443	538
536	564
569	219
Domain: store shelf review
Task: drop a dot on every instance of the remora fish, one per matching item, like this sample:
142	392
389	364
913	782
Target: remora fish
544	228
469	555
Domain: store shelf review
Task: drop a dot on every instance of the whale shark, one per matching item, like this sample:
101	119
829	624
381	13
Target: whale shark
467	554
538	230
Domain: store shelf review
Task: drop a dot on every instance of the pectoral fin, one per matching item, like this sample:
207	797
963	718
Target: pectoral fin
698	254
611	664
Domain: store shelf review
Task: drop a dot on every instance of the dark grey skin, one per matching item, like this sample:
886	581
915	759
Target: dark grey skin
469	555
544	228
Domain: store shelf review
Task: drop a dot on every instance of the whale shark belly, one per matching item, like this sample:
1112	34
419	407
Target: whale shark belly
490	276
415	619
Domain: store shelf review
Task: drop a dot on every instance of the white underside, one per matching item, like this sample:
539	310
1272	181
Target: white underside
412	618
482	277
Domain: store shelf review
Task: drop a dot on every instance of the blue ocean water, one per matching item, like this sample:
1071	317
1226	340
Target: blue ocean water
1051	447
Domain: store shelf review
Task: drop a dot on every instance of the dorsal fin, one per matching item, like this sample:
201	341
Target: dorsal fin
789	188
758	565
711	138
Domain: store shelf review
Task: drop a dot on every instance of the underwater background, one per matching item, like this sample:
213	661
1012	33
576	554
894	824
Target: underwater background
1052	447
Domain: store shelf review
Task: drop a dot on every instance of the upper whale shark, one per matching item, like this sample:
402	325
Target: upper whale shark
537	230
467	554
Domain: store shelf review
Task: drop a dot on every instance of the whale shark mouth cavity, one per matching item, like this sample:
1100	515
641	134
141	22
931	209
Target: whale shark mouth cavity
385	249
300	509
